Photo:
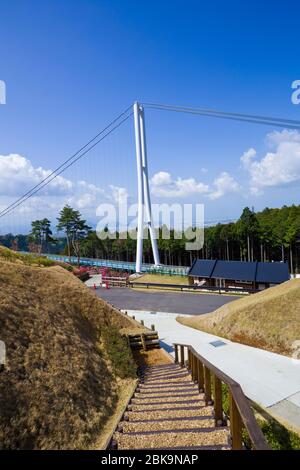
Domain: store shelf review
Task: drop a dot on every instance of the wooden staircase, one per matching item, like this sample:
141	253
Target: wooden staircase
179	406
168	412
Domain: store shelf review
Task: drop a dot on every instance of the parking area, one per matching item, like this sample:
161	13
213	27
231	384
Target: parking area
171	302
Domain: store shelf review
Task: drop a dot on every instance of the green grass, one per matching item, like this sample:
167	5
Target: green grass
163	279
277	436
30	259
119	353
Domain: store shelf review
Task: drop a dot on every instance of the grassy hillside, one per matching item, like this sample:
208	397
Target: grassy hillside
60	384
29	259
268	320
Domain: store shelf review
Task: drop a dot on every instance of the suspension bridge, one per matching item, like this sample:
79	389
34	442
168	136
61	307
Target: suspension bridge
52	182
121	265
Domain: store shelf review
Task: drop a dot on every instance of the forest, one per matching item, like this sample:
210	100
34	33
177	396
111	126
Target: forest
269	235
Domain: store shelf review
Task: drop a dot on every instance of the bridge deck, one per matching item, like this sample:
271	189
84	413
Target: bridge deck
120	265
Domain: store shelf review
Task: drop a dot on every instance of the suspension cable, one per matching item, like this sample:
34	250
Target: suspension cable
67	163
255	119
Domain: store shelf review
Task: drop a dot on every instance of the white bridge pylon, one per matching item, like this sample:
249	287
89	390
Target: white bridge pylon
144	200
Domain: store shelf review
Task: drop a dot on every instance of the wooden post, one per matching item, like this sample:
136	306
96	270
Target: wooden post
133	317
189	360
200	376
142	322
193	366
143	342
218	401
235	425
176	353
153	327
207	386
196	378
181	356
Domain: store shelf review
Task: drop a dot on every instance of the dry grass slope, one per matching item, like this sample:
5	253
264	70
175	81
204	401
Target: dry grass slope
268	320
59	386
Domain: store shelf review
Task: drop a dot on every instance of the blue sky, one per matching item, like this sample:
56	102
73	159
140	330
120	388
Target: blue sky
71	66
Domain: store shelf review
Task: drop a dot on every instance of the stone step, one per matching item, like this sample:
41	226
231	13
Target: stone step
171	379
169	382
171	365
168	424
166	420
150	400
177	438
163	395
166	406
194	448
167	411
166	387
190	411
175	373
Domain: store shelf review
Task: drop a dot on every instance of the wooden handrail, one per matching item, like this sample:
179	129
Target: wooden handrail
240	414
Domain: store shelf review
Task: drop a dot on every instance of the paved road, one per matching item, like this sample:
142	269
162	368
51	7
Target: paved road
171	302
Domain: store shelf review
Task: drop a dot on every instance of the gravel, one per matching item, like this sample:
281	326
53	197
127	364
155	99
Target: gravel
173	439
163	425
205	411
168	411
167	406
169	399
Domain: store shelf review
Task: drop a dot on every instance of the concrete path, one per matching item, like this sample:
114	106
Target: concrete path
268	379
96	279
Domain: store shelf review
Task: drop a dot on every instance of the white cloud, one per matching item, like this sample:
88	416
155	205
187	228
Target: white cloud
17	175
119	194
91	187
273	139
222	185
86	200
38	205
161	178
277	168
247	157
162	185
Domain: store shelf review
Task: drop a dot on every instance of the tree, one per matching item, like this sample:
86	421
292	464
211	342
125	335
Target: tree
247	229
14	244
228	235
292	234
75	228
65	222
40	234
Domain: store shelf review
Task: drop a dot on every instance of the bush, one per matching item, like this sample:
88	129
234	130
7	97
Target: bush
119	353
277	436
83	276
42	261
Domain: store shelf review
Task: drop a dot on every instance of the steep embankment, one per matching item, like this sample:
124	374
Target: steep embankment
268	320
59	384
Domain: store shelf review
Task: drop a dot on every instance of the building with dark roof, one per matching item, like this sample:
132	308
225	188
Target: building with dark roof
238	274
